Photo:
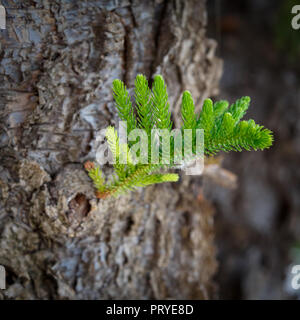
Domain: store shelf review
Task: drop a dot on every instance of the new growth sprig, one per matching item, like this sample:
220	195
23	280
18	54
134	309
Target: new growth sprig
221	124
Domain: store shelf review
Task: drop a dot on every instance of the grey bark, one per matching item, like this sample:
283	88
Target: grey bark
58	60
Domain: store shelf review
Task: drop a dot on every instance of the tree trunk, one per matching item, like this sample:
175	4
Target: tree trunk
58	61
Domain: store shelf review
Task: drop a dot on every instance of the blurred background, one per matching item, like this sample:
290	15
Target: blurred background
258	223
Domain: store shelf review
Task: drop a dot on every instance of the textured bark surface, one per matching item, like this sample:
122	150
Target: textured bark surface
58	60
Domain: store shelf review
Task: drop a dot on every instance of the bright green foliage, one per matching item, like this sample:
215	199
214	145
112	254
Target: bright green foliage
188	111
160	104
143	103
120	153
239	108
223	130
96	175
124	105
222	125
220	107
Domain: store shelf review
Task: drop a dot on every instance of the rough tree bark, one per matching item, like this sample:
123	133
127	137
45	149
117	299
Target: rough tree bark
58	60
